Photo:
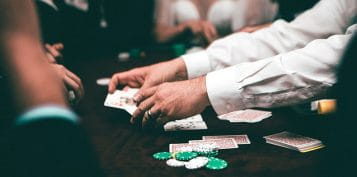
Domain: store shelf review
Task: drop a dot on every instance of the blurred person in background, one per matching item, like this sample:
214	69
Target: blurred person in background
203	21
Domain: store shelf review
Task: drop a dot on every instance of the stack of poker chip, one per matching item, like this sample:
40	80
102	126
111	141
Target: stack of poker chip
199	157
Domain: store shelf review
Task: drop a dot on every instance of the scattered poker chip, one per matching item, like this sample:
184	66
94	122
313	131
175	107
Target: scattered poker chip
103	81
71	96
185	156
208	150
162	156
209	153
216	164
124	56
196	163
175	163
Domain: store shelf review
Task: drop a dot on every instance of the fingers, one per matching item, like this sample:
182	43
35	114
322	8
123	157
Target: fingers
114	83
53	51
79	90
209	32
123	78
73	85
144	106
50	58
58	46
143	94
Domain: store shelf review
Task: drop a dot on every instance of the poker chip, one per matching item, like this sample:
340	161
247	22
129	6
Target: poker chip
209	154
175	163
208	150
185	156
196	163
216	164
124	56
103	81
71	96
186	149
162	156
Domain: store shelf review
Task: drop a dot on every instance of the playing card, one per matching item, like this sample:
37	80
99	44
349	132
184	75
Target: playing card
122	100
195	118
296	141
226	143
175	126
247	116
239	139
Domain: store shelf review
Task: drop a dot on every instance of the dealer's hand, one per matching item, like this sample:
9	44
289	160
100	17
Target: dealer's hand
171	100
149	76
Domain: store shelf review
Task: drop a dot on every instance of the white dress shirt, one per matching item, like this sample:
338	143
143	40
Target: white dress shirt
284	64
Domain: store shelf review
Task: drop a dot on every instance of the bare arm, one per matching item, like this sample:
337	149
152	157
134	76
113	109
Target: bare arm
22	57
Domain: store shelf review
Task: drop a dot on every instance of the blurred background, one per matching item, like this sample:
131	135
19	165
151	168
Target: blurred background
106	27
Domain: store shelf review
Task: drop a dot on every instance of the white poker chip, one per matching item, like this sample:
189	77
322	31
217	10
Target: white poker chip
71	96
123	56
186	149
103	81
205	147
175	163
196	163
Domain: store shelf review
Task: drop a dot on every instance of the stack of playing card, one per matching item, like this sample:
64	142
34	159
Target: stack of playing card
294	141
124	100
220	142
245	116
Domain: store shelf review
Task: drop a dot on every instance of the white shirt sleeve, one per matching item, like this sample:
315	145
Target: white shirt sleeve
327	18
276	81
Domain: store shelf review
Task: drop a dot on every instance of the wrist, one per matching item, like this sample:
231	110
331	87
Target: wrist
181	71
203	90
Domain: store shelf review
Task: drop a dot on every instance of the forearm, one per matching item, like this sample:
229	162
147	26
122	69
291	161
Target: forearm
327	18
22	57
30	76
281	80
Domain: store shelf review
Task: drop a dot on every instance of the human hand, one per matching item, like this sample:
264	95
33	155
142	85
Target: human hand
53	52
170	101
149	76
203	29
70	80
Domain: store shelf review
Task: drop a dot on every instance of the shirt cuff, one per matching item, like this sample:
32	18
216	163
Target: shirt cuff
197	64
223	91
46	112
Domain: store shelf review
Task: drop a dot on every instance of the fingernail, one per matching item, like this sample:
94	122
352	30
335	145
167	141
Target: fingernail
136	98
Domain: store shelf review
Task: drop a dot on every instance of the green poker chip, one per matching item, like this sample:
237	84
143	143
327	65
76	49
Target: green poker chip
162	156
185	156
216	164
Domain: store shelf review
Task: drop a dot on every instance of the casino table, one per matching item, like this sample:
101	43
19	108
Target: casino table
126	150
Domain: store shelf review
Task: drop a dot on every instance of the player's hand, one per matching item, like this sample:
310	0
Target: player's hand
209	31
171	100
53	52
71	81
201	28
149	76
